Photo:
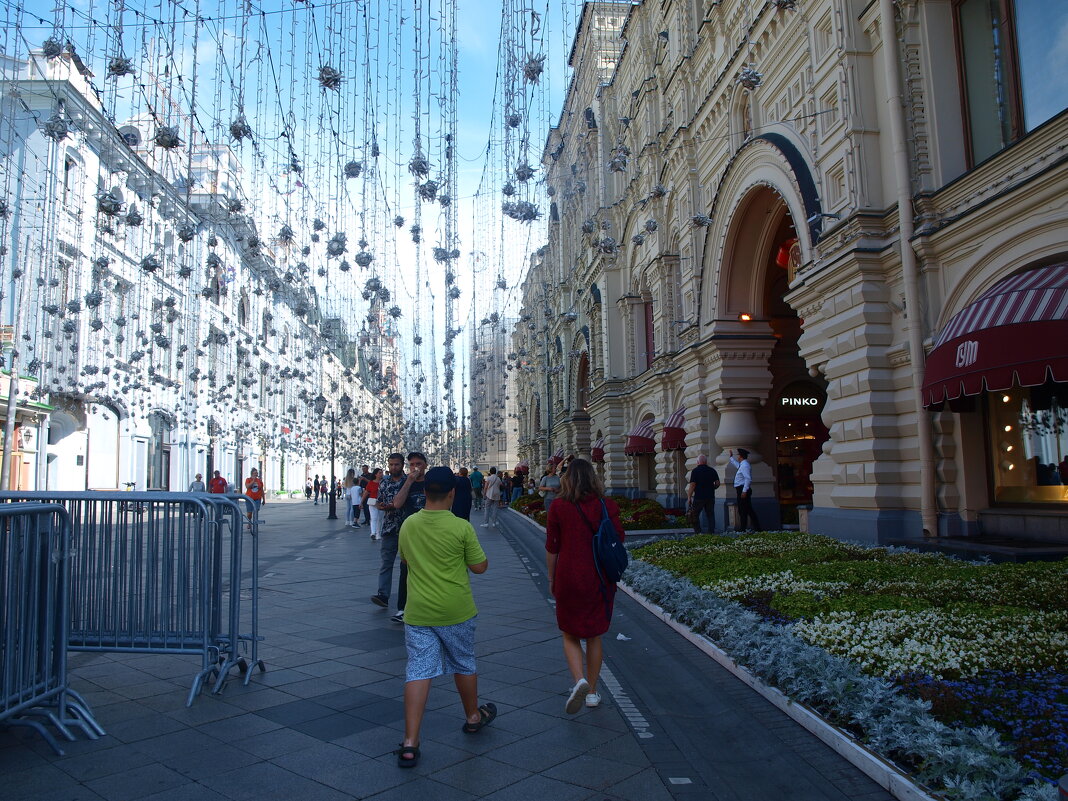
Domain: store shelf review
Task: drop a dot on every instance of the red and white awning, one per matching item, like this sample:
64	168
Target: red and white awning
597	451
557	457
674	438
1015	333
640	439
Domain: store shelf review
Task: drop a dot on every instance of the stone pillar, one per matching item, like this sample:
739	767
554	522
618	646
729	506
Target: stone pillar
739	428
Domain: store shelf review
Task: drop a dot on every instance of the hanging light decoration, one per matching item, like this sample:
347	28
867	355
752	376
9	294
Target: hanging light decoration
167	137
118	66
749	77
533	68
330	78
109	203
133	217
240	129
56	127
51	48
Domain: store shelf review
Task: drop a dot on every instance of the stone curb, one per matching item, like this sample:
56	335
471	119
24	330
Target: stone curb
882	772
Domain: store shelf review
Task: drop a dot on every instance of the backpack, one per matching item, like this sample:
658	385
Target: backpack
609	556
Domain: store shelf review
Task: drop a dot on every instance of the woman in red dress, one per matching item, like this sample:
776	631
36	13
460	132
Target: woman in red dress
583	606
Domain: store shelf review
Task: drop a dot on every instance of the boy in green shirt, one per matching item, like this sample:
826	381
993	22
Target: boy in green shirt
439	617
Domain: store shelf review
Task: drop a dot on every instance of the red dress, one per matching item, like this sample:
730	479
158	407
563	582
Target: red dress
581	608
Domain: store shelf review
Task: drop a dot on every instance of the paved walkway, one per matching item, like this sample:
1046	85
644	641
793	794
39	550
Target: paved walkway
324	719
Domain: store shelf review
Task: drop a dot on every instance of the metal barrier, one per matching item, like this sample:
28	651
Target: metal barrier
149	573
34	585
243	651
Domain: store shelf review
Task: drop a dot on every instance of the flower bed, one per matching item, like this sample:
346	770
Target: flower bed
636	514
981	648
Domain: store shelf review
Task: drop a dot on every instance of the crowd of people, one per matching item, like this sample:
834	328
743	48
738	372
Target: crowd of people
423	514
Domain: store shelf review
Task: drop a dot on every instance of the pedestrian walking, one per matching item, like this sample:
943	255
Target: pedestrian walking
701	495
371	499
317	487
254	490
492	491
354	501
440	551
399	497
517	486
348	483
307	489
583	602
549	485
218	485
197	484
743	489
477	480
461	505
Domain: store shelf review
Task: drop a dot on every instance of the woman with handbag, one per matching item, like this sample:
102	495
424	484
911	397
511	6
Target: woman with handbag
583	601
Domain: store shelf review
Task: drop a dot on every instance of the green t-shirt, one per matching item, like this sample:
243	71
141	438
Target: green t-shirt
438	546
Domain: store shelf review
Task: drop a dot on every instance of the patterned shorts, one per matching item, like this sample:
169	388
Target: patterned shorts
436	650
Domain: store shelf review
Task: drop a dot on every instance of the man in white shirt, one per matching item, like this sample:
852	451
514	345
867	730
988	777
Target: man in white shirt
743	489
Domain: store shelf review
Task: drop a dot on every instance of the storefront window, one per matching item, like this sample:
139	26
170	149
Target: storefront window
1028	433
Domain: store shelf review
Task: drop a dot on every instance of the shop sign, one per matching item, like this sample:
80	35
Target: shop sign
801	396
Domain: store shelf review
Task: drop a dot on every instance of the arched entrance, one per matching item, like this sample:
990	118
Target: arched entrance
757	333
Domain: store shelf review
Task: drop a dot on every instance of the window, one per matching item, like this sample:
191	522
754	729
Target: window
1028	442
1014	62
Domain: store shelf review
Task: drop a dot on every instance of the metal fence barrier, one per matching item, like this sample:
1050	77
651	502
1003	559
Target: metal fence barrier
162	573
34	594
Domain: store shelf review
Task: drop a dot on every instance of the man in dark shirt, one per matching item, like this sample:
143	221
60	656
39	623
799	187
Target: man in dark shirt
461	505
399	497
701	495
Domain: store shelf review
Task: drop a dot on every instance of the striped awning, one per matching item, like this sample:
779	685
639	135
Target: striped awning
640	439
557	457
597	451
1015	333
674	438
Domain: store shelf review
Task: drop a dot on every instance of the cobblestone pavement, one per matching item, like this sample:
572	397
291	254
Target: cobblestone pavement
323	721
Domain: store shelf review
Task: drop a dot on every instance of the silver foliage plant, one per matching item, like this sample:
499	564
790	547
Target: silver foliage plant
965	763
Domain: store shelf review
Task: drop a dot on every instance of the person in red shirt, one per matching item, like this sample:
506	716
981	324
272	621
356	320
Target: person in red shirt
217	484
371	494
583	604
254	490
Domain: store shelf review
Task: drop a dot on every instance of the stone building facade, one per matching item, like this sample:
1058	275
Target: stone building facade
764	216
161	331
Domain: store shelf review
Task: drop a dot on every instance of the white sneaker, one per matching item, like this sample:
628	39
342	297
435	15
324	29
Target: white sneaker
578	695
485	525
592	700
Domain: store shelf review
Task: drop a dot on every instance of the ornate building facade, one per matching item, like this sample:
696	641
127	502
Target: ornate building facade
158	331
775	226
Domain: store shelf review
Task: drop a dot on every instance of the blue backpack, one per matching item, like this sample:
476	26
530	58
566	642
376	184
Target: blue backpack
609	555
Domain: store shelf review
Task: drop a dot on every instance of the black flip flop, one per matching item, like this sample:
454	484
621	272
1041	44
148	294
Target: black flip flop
487	712
405	761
